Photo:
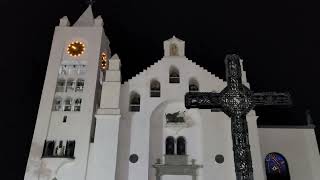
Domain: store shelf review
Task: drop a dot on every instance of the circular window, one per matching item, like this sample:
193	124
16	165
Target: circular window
133	158
219	158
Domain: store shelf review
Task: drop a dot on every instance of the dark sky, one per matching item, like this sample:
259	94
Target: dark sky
278	40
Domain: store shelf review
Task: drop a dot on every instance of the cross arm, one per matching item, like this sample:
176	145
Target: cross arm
272	99
233	70
202	100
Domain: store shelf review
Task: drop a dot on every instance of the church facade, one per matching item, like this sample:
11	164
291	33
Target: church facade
90	126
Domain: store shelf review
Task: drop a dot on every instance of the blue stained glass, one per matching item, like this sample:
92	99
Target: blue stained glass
276	165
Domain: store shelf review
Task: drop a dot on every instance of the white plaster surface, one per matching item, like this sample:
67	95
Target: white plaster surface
298	146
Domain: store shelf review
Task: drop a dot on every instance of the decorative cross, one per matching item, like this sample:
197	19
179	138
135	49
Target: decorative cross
236	100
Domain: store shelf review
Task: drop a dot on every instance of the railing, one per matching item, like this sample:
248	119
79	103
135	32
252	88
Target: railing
174	80
135	107
155	93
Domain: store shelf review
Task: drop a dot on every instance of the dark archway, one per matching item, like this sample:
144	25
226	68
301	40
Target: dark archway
170	145
134	105
181	146
155	88
276	167
174	75
193	85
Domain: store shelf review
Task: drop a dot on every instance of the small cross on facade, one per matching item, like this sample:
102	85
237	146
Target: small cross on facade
236	100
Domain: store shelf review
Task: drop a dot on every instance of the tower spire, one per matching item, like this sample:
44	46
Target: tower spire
86	19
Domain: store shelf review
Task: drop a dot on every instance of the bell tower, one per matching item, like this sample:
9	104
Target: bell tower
65	125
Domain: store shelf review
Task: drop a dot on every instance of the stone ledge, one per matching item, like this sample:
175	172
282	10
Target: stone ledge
108	111
311	126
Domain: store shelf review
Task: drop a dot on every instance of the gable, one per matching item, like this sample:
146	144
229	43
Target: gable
187	69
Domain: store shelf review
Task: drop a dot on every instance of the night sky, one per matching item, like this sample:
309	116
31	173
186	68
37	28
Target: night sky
278	41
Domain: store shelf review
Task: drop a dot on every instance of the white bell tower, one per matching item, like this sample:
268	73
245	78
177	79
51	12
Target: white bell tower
62	141
107	125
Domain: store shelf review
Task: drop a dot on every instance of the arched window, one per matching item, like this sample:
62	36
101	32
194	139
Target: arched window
181	146
276	167
77	104
155	88
67	104
134	105
60	85
174	76
193	85
79	85
170	145
174	50
57	104
70	85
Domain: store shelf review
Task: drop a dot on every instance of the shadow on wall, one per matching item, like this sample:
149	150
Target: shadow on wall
122	170
156	136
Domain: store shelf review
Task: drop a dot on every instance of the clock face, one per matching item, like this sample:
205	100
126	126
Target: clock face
104	61
75	48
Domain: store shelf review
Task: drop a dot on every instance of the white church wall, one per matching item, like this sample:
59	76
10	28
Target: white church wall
105	148
298	146
216	135
107	128
122	170
43	118
92	157
50	125
81	128
257	160
214	131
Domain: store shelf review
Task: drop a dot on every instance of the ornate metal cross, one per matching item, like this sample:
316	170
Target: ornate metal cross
236	100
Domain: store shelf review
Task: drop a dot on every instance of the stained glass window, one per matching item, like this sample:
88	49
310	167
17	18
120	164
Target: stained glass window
276	167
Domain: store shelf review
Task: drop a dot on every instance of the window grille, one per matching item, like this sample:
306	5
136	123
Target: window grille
57	104
70	85
174	76
67	104
155	88
77	104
